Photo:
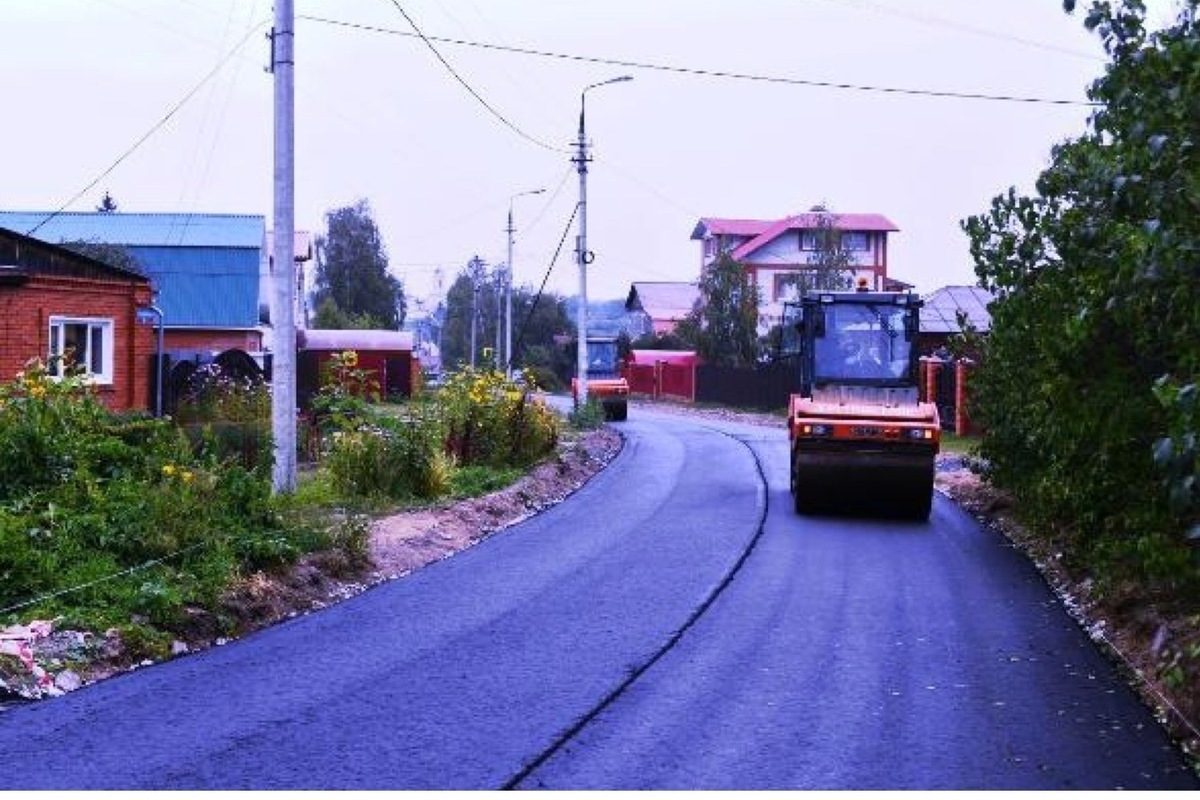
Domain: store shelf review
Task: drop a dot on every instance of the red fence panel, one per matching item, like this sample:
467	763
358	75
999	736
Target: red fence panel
662	373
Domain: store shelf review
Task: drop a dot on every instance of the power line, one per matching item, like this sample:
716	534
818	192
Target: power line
706	73
939	22
154	129
542	288
429	43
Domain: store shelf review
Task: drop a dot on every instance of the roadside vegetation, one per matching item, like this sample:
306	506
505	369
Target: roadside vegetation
1087	386
130	527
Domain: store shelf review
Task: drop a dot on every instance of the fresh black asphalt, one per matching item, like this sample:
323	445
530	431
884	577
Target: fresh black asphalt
672	625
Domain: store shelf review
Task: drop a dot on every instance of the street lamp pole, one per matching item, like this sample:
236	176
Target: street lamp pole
508	353
583	256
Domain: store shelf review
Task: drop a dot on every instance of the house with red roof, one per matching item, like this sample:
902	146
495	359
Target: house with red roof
657	307
777	252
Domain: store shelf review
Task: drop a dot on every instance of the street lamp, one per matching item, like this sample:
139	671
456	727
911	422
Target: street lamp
583	256
508	353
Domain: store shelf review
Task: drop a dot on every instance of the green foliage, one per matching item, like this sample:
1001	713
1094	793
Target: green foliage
119	521
114	255
475	481
352	269
538	321
330	317
673	340
1176	454
389	457
471	297
227	417
351	535
121	505
831	264
724	325
107	204
346	393
490	420
587	416
1099	300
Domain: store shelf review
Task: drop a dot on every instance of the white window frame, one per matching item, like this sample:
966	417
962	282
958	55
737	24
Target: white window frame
99	369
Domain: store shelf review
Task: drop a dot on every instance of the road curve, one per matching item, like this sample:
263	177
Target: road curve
465	674
862	653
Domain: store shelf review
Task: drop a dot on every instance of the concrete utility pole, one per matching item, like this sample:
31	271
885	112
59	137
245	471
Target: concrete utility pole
508	353
283	366
583	256
474	312
498	281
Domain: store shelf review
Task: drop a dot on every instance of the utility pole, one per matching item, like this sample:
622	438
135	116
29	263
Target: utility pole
498	281
508	353
583	256
283	364
474	312
477	268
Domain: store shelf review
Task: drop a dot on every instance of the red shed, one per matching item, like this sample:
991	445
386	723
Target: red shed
388	353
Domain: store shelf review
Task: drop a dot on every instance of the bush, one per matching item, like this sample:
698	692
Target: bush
1083	389
120	504
227	418
588	416
490	420
399	459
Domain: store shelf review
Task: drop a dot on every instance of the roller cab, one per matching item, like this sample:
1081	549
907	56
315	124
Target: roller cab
860	436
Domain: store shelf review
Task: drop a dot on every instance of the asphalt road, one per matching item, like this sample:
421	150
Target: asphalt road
672	625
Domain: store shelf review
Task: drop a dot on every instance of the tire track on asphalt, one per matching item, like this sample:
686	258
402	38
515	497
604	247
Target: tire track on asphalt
672	641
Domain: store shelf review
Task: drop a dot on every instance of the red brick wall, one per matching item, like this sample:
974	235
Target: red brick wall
25	312
215	340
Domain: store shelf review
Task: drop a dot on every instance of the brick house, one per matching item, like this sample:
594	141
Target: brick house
205	269
775	252
53	299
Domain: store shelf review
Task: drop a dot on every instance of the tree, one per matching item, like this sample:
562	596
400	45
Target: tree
352	270
470	316
724	324
668	340
107	204
330	317
540	324
114	255
831	266
1083	384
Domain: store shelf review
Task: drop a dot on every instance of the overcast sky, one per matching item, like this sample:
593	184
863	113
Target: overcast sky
380	117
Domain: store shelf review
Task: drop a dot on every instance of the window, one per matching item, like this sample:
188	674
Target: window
844	240
82	341
854	240
787	287
863	341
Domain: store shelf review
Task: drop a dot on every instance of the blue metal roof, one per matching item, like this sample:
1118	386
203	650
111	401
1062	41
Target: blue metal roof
204	267
208	287
172	230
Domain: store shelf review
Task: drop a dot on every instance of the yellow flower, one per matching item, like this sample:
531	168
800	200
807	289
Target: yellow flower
186	477
168	470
